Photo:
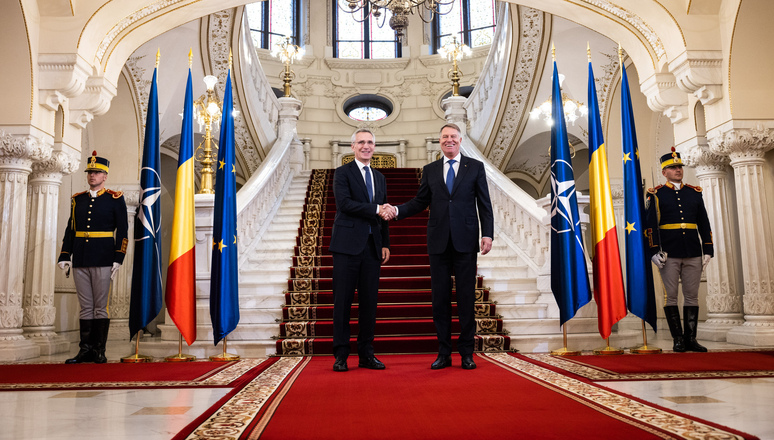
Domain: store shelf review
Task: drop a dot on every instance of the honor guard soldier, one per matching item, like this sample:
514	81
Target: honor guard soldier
680	243
94	244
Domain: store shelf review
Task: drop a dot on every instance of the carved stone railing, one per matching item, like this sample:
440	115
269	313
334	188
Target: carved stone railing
259	199
519	221
485	98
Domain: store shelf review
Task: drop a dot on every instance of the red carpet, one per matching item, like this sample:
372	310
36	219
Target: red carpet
662	366
404	316
119	375
505	397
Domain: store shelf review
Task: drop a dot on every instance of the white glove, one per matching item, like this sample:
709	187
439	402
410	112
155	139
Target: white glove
705	261
659	260
64	265
114	270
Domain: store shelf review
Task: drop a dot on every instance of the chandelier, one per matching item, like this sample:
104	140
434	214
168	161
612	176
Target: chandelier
399	9
572	109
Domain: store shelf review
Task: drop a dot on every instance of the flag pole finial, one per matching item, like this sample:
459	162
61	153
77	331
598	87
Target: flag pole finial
230	58
158	57
553	52
588	51
190	57
620	56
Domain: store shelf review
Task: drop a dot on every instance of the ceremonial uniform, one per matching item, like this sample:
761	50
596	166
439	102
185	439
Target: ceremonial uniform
679	234
94	240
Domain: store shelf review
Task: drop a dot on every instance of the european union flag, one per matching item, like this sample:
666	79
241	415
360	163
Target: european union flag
569	275
146	298
224	281
641	300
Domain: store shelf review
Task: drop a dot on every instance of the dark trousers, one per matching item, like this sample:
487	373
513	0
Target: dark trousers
463	266
350	273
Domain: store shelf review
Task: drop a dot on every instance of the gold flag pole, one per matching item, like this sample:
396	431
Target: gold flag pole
645	349
224	357
180	356
137	358
564	351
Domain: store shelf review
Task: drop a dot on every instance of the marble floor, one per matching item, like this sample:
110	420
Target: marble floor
156	414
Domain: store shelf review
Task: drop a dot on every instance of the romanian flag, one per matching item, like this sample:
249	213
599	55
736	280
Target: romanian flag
181	288
639	273
608	279
145	301
224	279
569	275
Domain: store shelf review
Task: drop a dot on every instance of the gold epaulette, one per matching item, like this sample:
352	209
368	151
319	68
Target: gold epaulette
653	190
77	194
115	194
697	188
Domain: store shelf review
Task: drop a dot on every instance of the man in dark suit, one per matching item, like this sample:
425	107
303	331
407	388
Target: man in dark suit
360	244
455	189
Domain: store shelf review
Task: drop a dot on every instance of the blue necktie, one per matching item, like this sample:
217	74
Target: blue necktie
369	185
450	175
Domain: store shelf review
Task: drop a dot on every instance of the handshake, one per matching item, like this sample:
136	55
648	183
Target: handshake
387	211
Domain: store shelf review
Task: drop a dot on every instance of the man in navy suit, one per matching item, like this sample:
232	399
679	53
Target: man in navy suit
360	244
455	189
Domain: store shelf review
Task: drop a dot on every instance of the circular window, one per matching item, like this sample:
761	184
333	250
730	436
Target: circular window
368	108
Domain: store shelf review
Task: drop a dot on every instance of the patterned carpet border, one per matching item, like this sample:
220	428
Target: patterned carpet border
598	374
237	414
650	417
226	375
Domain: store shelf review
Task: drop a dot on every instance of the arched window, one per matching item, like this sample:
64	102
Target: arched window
472	21
361	35
270	20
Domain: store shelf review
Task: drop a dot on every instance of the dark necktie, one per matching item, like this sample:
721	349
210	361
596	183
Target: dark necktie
369	185
450	176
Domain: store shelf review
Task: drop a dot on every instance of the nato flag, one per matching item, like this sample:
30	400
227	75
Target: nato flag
569	275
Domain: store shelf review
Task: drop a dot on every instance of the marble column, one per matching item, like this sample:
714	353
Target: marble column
724	292
121	290
746	149
42	251
17	153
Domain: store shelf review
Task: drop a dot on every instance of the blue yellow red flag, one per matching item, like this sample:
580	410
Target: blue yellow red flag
181	273
608	279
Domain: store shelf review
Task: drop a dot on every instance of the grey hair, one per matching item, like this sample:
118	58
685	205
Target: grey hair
453	126
362	130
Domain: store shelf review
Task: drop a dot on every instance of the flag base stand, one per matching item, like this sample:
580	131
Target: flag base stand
608	350
644	349
137	358
564	351
180	357
224	357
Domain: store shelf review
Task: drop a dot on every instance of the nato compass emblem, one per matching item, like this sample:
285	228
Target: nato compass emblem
562	218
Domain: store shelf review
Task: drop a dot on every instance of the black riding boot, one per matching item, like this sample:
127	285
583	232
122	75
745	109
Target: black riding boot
85	354
100	340
673	319
691	316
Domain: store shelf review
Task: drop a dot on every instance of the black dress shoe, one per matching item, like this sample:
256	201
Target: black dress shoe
441	362
467	363
371	363
340	365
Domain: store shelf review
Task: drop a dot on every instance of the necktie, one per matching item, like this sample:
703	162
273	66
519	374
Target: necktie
450	176
369	185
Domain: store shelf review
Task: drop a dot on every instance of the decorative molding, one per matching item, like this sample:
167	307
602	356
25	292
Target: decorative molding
58	164
740	143
704	159
219	39
531	25
24	147
700	73
636	21
358	64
